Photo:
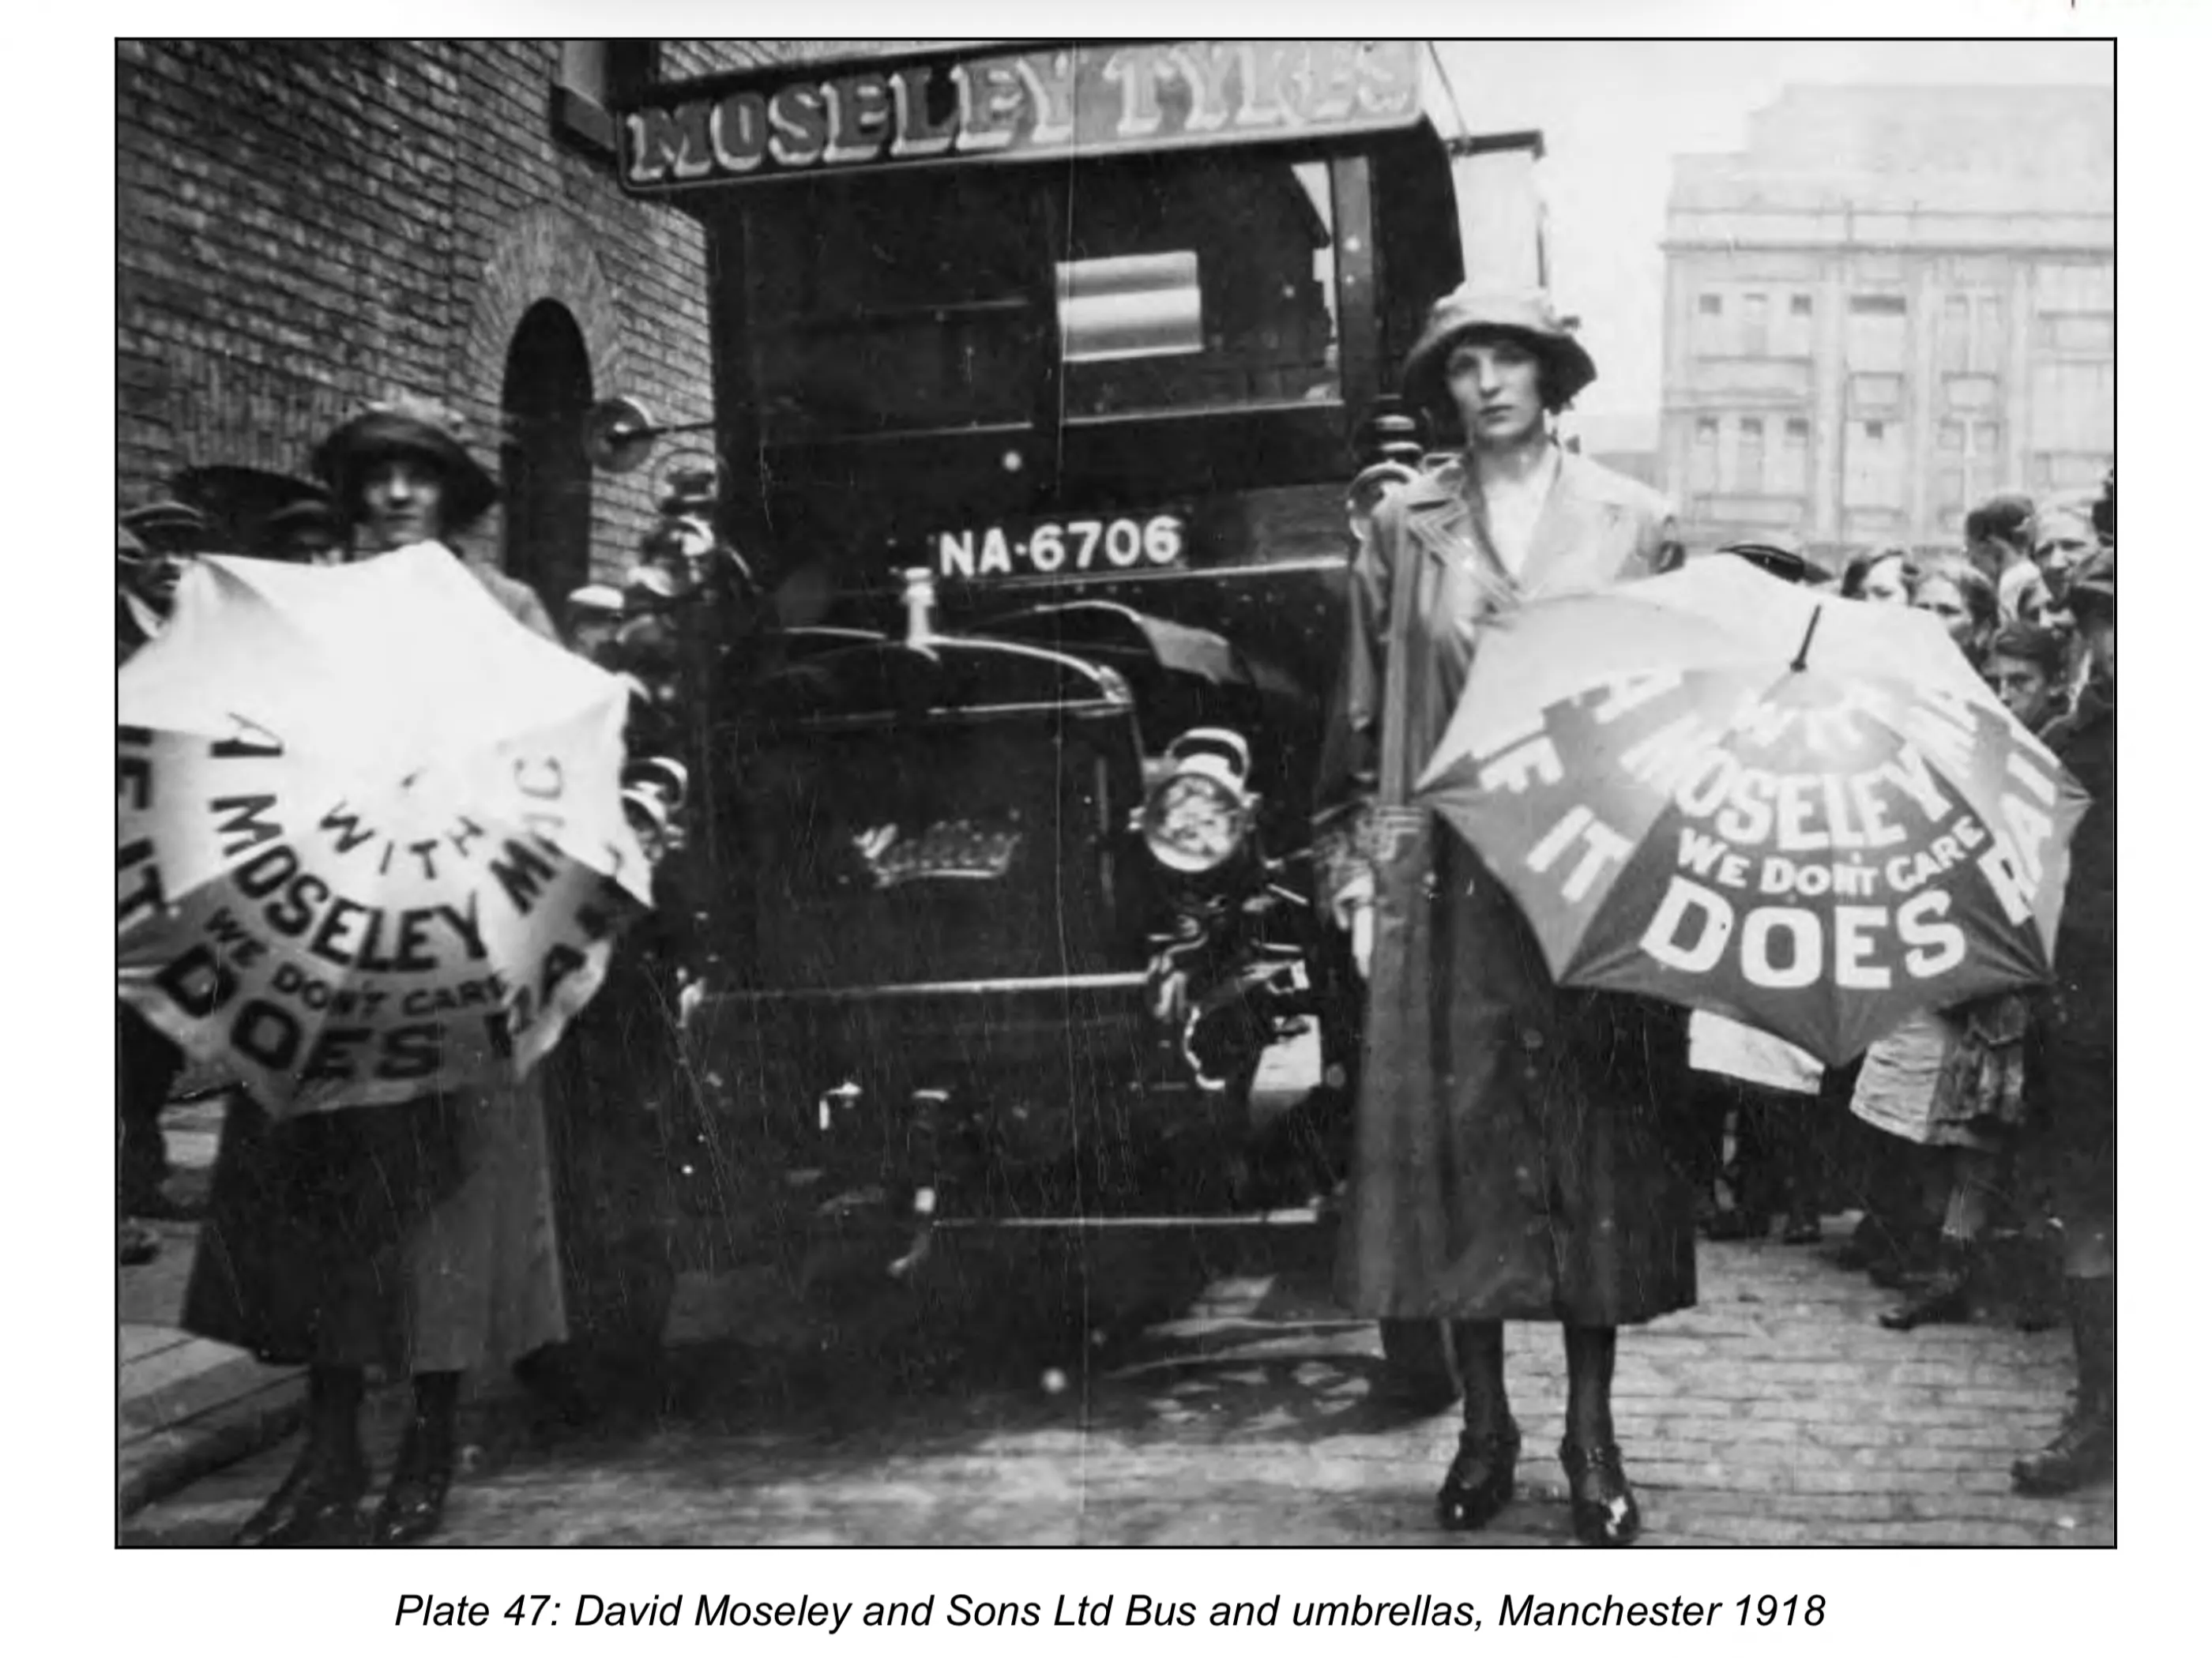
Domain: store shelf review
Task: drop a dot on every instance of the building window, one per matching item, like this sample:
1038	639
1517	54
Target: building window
1750	457
1792	474
1706	338
1754	325
1969	463
2078	336
1795	332
1970	335
1874	338
1874	469
1705	459
590	78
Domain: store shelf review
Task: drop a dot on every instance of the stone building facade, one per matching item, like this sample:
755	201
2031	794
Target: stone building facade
305	228
1893	303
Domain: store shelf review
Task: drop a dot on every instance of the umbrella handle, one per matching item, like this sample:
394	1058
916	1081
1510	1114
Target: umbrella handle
1805	646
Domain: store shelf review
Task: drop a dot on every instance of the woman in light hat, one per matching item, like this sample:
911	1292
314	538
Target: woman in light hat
1508	1160
398	476
415	1239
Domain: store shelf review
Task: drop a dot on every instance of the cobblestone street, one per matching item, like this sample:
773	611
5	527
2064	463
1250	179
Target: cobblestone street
1239	1408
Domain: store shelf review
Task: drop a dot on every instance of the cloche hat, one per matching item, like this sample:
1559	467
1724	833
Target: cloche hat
1525	313
405	426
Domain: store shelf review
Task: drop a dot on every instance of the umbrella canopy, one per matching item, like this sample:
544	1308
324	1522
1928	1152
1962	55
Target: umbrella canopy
370	839
1734	793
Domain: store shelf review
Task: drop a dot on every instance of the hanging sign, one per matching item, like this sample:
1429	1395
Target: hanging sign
1035	104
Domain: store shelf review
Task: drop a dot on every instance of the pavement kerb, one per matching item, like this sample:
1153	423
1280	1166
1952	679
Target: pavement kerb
166	1461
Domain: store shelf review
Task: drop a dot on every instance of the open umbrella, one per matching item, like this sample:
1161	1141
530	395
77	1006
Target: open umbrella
369	832
1734	793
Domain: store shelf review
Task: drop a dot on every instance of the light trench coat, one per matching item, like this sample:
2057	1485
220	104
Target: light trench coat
1513	1149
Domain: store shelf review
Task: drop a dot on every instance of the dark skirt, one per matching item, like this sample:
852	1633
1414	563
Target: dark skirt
298	1259
406	1238
1520	1150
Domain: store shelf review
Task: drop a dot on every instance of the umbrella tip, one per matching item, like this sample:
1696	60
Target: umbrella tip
1805	646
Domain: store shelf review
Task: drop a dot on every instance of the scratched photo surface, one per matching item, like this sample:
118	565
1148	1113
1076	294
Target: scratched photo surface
1277	793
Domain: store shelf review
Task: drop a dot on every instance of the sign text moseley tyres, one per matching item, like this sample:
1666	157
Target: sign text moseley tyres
1034	105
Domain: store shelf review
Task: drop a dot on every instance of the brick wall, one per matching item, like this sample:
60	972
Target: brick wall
307	226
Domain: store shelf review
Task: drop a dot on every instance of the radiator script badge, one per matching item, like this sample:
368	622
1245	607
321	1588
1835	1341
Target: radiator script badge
959	849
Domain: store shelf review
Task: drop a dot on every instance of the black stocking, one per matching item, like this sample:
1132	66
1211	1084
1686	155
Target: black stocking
1590	1383
437	1393
334	1393
1479	1349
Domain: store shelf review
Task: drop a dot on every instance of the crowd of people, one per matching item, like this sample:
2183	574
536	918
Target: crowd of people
1975	1143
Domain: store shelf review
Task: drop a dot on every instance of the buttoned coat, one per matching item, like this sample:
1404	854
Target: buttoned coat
1514	1149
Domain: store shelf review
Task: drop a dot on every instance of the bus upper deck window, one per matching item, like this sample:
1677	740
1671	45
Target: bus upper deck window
1189	284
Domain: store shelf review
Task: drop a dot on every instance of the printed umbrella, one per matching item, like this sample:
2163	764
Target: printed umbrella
369	834
1738	794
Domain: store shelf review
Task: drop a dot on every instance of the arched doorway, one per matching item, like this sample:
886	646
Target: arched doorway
545	394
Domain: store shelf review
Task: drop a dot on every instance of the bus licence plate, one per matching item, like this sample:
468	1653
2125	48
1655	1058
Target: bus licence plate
1069	547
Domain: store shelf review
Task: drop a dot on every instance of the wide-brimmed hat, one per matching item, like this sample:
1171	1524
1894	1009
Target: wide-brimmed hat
1527	314
1778	556
405	426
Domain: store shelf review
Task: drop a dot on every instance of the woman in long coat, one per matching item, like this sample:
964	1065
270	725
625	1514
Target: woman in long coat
1509	1160
418	1239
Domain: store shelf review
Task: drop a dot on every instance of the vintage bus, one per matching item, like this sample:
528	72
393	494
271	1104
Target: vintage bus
1041	375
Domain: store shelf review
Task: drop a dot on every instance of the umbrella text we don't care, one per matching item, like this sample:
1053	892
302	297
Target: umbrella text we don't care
340	950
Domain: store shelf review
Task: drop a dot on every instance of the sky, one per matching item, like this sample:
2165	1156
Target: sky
1614	116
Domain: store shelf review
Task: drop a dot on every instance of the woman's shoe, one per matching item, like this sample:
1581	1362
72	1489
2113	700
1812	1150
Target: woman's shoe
135	1244
1479	1482
2086	1448
1602	1501
318	1503
2081	1454
1947	1298
415	1502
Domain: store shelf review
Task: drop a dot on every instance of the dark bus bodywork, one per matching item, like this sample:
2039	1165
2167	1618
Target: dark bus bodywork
1040	375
